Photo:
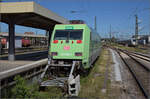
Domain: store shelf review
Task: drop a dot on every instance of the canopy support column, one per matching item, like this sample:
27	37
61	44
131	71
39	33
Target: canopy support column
11	50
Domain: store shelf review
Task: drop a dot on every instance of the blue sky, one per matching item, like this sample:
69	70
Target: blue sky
117	13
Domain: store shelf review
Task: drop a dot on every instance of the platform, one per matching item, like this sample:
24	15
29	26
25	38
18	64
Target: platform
8	69
21	59
6	65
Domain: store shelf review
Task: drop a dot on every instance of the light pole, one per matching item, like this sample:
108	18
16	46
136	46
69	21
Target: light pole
95	26
136	29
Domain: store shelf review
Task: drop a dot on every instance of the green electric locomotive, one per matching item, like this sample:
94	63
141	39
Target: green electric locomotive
75	42
73	49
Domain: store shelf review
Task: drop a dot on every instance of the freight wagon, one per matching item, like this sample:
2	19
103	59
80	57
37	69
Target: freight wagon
73	49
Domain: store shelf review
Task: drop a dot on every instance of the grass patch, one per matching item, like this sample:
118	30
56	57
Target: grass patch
92	85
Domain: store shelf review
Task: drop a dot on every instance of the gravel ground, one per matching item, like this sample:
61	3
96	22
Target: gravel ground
141	73
127	89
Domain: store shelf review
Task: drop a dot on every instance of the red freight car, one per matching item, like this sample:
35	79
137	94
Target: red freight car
25	42
3	41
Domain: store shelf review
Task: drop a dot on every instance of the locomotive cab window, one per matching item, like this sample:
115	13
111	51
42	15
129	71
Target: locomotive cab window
76	35
68	35
61	35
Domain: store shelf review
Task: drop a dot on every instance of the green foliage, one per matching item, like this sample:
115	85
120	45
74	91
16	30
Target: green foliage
22	90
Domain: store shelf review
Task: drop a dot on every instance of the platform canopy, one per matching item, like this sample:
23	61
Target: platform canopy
29	14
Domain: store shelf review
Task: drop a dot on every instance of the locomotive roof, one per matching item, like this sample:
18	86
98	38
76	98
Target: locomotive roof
82	24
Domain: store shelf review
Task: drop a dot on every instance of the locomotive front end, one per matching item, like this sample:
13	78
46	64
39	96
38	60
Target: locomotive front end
67	43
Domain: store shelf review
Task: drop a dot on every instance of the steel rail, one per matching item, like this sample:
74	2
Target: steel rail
145	67
131	56
135	54
141	57
141	54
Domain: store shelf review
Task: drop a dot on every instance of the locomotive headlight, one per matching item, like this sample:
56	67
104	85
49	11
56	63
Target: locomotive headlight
78	54
79	41
54	53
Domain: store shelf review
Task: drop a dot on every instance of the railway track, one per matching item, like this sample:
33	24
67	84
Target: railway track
24	49
30	56
138	55
139	66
